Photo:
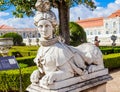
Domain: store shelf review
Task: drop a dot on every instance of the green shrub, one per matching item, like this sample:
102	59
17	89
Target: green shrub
9	80
22	65
77	34
22	53
112	61
26	60
17	39
106	51
116	50
25	48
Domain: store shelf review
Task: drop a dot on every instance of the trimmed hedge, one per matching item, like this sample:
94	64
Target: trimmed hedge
9	80
24	48
26	60
112	61
107	51
22	53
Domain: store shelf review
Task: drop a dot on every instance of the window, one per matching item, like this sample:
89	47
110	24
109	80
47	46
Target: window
95	32
1	33
38	34
114	24
91	33
87	32
107	32
99	33
24	35
114	32
106	25
30	34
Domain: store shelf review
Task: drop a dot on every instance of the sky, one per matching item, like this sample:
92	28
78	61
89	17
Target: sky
104	8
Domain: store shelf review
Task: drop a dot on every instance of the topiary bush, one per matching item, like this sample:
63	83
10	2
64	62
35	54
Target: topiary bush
17	39
77	34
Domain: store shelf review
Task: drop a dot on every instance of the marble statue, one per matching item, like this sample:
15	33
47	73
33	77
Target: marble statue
60	65
57	61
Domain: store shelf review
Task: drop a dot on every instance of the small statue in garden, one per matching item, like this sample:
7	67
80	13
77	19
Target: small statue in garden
113	38
57	61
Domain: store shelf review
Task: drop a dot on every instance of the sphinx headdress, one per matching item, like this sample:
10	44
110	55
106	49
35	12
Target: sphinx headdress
44	13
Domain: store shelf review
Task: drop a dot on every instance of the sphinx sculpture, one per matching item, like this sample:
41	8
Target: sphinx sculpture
57	61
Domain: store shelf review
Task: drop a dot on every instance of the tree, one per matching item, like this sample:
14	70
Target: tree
77	34
26	7
17	39
63	8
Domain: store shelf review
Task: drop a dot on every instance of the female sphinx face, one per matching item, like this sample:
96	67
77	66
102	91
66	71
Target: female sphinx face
45	29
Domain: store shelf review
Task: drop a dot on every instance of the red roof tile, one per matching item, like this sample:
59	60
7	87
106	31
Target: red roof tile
115	14
92	22
5	27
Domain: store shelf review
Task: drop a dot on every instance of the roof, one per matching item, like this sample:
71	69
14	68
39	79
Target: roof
115	14
5	27
92	22
9	28
96	22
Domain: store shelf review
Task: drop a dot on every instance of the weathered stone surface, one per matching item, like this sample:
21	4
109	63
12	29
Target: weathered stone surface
76	85
99	88
75	80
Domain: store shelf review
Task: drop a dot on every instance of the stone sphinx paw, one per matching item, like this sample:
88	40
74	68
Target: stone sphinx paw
35	76
92	68
85	72
48	79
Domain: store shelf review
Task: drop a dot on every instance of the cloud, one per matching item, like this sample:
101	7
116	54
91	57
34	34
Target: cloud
5	19
3	14
117	1
18	22
83	12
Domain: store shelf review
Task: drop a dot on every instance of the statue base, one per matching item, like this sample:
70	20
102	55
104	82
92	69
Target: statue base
75	84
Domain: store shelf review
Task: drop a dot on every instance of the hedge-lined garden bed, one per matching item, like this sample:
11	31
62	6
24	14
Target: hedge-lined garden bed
26	60
10	80
112	61
109	49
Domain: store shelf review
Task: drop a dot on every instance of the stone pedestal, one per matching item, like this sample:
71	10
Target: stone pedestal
99	88
94	82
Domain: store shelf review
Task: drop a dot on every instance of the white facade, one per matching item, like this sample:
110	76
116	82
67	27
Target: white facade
111	27
104	28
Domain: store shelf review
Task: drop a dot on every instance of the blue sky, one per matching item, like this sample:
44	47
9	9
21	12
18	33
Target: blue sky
104	3
104	9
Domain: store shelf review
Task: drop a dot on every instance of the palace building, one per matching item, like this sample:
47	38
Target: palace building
102	27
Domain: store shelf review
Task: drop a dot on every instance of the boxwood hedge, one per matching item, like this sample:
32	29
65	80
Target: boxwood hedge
10	79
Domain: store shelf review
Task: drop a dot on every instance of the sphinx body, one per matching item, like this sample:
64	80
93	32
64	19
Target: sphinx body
57	61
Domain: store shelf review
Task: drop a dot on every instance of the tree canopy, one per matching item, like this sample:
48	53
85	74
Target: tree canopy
27	7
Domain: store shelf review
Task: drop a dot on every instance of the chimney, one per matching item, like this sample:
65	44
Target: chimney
78	18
